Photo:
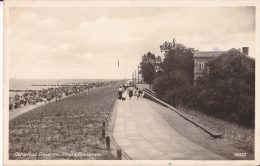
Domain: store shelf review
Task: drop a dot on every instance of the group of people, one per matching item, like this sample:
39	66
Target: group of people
131	90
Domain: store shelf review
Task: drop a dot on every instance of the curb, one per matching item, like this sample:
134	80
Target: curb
213	133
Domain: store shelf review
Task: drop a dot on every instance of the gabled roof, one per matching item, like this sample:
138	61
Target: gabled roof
207	54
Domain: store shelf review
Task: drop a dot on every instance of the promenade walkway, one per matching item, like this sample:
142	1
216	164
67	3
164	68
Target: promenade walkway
143	134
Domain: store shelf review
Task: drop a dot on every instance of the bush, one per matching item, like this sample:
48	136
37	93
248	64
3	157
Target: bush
228	91
173	87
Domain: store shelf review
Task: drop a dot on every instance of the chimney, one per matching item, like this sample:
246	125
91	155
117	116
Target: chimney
245	50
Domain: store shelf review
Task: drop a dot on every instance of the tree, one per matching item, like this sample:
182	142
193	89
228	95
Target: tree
148	67
178	57
176	78
172	87
166	47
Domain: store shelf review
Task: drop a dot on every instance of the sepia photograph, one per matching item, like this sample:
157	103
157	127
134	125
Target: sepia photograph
145	82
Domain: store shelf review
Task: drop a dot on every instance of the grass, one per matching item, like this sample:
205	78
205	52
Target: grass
70	126
229	130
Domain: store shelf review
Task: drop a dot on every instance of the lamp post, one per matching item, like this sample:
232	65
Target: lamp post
138	74
135	76
55	95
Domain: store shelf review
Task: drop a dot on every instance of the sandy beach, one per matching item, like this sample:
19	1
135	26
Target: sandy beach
19	111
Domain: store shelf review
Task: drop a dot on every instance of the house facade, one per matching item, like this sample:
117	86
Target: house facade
200	59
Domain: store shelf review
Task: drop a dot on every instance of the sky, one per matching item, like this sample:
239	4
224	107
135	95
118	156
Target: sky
87	42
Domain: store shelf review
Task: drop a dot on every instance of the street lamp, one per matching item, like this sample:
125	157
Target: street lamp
138	74
135	76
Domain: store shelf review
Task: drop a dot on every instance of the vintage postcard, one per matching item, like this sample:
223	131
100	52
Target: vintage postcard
131	82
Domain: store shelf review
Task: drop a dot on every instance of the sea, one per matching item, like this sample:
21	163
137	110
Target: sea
26	84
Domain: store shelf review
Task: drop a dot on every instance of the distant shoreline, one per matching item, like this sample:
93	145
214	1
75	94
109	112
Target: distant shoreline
24	84
67	79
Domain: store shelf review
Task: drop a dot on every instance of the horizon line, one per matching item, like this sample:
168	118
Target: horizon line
71	78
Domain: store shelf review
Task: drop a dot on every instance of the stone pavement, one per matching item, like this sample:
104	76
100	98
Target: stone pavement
143	134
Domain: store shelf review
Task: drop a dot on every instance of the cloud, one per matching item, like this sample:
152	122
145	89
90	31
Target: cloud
23	51
65	46
89	56
24	20
69	41
31	27
49	21
29	16
103	30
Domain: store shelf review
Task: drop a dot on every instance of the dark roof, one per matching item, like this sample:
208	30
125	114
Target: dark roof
213	54
207	54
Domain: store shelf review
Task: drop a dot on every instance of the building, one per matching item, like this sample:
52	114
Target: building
201	57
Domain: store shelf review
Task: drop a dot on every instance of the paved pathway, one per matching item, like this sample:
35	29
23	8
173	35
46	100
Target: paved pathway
144	135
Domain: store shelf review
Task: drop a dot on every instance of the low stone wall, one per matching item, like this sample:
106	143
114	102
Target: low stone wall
147	95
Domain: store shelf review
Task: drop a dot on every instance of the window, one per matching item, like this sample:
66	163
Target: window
201	64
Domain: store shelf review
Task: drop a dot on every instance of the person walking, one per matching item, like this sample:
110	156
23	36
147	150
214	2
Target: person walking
124	95
131	89
137	93
141	92
120	91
